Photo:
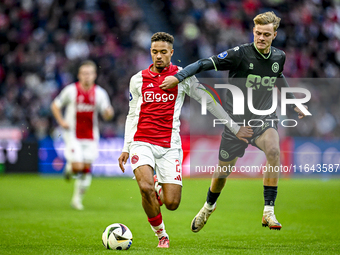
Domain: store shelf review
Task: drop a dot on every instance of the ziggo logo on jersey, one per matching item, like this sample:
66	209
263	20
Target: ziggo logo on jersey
157	97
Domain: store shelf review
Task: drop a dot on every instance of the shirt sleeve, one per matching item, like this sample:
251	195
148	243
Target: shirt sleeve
228	60
133	97
197	91
64	97
104	101
195	68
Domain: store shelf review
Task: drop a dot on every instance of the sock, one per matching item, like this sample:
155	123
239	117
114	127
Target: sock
157	226
81	185
87	170
269	194
212	197
268	209
68	167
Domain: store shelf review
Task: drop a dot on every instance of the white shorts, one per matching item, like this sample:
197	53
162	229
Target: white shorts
167	162
81	150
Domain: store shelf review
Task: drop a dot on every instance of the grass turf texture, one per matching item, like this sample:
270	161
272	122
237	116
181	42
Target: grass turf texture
35	218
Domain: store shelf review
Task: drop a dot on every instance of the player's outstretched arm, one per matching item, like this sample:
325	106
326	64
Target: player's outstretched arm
244	132
122	160
190	70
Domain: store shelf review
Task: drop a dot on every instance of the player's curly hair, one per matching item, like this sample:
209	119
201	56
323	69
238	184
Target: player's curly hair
267	18
162	36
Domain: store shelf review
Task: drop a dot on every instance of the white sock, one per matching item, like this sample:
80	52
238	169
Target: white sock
68	167
268	209
159	190
209	207
159	230
81	185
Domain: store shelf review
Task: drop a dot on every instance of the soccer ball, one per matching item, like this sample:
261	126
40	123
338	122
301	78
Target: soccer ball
117	236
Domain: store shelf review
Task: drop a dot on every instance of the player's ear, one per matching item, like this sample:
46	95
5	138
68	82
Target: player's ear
172	52
275	34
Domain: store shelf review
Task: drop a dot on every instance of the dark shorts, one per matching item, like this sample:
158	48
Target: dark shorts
232	147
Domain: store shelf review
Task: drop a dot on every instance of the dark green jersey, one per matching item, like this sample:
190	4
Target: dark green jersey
248	68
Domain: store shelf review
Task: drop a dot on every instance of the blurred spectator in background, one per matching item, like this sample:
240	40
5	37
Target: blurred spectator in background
43	41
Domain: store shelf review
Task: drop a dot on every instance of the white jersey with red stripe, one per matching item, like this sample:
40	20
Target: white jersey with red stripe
82	108
154	113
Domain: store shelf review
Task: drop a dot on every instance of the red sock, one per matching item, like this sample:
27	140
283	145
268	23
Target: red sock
156	221
87	170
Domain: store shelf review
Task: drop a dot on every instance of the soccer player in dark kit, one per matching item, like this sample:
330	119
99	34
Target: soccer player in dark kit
259	66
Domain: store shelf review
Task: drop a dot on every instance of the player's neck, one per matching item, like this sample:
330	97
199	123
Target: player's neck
158	70
265	53
85	86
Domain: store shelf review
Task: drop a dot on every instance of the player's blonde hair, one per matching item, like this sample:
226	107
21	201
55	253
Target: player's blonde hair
88	63
267	18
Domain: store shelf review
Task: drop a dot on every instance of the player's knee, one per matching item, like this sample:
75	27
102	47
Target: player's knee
273	154
146	189
173	205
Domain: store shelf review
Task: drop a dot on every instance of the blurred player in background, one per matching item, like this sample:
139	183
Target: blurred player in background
257	65
152	137
83	101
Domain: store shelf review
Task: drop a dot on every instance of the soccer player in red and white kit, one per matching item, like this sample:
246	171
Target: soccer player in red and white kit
152	137
83	101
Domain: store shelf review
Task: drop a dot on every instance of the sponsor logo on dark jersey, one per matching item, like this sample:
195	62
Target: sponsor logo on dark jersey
255	82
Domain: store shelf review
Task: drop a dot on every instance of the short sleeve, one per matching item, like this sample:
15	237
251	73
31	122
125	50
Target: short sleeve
64	97
104	100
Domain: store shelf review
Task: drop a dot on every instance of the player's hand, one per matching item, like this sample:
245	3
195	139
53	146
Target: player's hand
108	113
244	132
169	82
64	125
122	160
300	113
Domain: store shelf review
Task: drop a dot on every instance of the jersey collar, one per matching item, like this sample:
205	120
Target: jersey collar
270	52
164	71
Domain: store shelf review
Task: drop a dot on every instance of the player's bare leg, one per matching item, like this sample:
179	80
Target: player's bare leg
144	177
81	184
269	143
171	195
218	182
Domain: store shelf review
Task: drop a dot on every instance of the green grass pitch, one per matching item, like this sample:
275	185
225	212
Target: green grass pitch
35	217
